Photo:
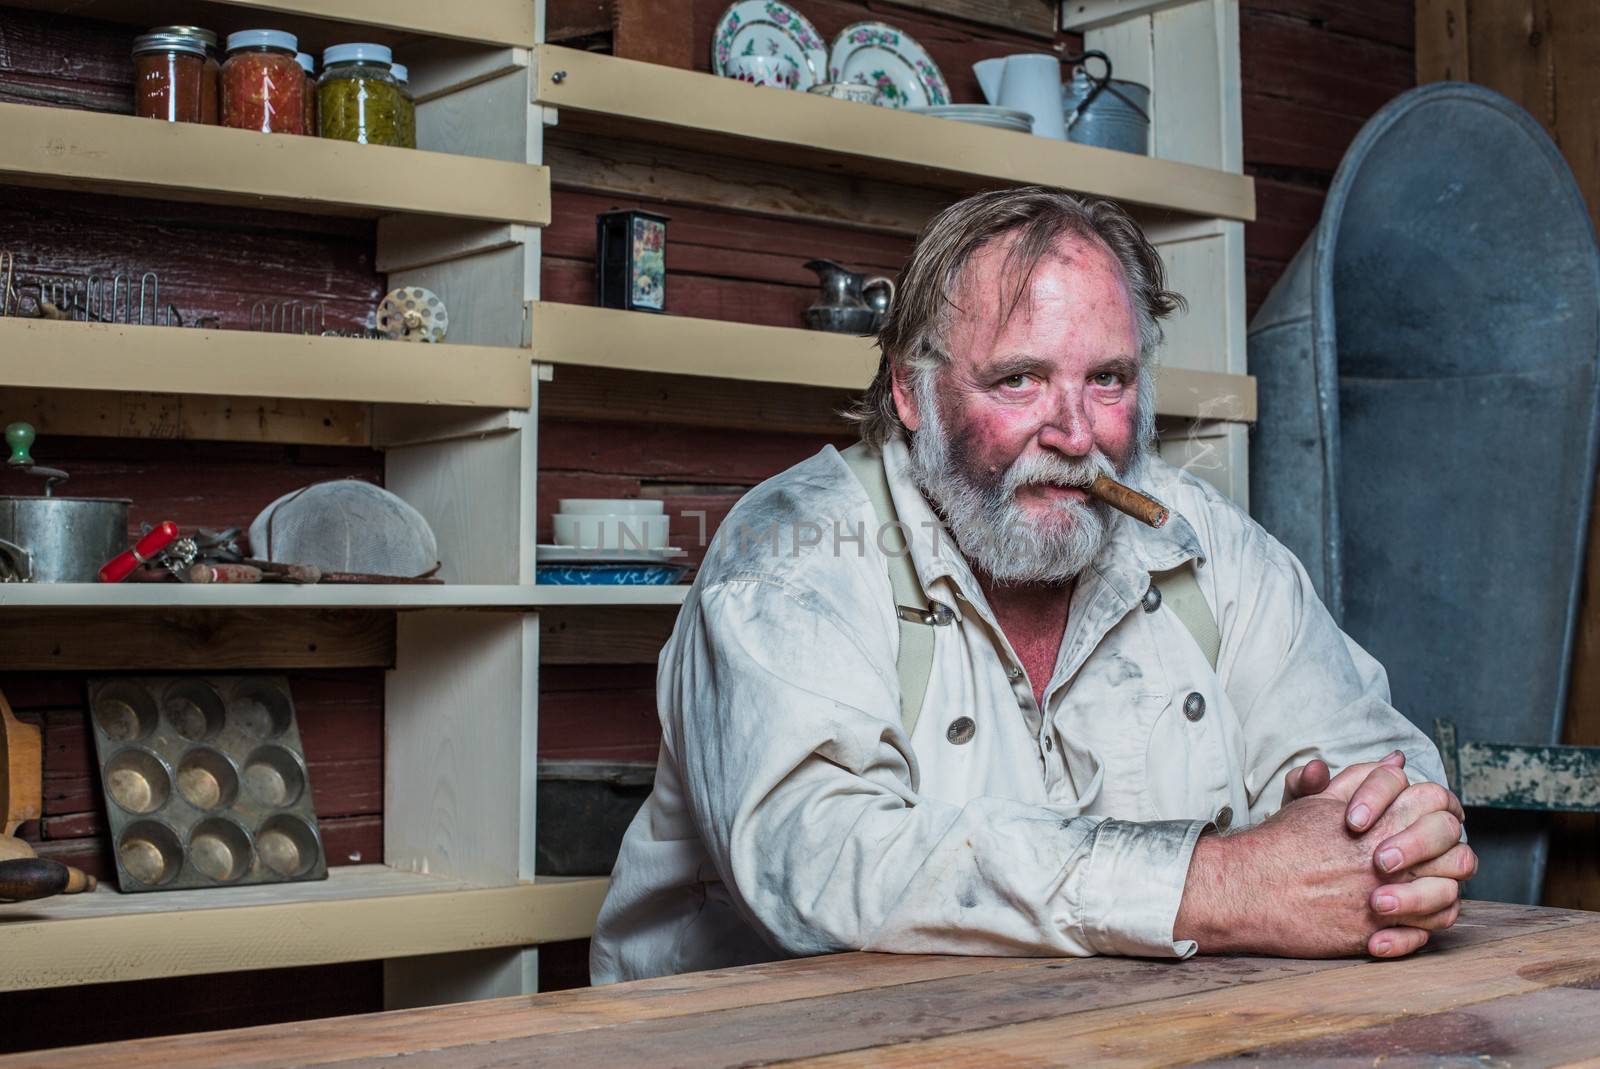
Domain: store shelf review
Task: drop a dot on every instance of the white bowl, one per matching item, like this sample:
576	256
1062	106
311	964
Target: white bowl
610	506
610	532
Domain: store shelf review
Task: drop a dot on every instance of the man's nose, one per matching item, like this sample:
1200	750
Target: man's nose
1068	431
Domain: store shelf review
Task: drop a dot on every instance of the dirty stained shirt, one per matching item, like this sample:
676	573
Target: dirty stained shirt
791	814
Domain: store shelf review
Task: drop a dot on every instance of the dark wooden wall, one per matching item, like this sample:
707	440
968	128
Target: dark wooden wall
1313	70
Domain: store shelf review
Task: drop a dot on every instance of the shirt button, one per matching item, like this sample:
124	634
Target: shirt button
1194	706
1152	599
1224	819
1014	673
1048	745
961	730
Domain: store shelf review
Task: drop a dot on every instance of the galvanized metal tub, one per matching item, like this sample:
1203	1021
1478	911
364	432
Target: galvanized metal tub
1429	384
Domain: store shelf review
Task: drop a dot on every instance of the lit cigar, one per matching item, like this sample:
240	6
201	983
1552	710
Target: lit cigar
1127	500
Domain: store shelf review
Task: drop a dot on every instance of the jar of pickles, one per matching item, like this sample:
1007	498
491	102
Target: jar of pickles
263	86
308	65
169	79
357	96
408	106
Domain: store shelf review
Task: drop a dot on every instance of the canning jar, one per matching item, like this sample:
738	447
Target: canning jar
169	77
408	106
308	65
263	87
357	96
211	77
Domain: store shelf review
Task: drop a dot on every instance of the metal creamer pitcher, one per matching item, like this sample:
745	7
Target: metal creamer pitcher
850	303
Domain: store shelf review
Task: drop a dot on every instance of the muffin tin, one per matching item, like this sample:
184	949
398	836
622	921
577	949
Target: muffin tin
205	782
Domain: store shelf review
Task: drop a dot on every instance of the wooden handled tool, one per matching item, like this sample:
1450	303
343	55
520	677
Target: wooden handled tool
14	849
29	878
21	771
1126	499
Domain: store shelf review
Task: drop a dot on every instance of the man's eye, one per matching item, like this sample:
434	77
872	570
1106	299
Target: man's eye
1014	382
1107	379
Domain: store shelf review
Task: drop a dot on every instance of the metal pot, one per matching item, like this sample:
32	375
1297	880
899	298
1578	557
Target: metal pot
53	539
60	539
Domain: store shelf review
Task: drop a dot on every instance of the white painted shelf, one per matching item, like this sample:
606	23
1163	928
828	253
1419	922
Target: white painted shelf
600	94
85	151
46	354
681	345
400	596
359	913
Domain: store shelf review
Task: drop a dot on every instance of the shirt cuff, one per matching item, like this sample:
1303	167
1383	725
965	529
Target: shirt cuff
1134	887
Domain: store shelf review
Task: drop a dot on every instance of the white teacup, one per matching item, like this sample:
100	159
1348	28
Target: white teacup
763	70
861	94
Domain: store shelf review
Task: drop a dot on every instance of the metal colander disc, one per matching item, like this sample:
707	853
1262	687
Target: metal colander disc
412	313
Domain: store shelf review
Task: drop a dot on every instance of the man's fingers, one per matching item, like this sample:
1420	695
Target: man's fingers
1396	942
1457	863
1374	797
1349	778
1429	837
1308	779
1420	798
1429	896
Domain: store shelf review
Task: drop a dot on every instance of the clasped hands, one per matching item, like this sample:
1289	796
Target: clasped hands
1362	861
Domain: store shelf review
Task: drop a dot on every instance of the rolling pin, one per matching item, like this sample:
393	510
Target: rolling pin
28	878
14	849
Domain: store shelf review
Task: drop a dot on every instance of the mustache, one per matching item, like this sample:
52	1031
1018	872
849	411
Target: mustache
1079	472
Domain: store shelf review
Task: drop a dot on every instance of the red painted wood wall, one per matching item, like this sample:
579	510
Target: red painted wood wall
1313	70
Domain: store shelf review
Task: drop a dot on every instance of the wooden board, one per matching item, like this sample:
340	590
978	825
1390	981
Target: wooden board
1499	964
489	22
122	155
359	913
610	96
139	414
195	640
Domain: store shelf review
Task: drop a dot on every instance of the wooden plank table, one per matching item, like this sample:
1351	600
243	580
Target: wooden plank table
1510	985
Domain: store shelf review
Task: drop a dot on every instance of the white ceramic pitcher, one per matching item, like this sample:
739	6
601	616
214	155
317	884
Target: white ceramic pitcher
1030	82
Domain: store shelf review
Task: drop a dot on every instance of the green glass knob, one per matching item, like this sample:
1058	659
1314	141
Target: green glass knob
19	437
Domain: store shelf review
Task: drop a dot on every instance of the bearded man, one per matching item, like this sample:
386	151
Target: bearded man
1069	766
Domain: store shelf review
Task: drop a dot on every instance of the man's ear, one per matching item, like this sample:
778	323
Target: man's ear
904	399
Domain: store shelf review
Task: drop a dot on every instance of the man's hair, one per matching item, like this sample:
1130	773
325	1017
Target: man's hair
1033	218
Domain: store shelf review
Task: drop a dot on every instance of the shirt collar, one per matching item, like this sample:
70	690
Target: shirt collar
1130	555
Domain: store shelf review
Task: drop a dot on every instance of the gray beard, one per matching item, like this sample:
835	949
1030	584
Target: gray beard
991	528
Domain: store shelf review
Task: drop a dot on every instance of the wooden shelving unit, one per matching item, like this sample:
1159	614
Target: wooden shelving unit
86	151
358	913
459	422
685	109
639	341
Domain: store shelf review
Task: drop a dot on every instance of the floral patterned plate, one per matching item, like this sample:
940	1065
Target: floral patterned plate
773	29
873	53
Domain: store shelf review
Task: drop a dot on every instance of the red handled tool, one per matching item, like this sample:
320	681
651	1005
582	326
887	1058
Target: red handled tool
119	567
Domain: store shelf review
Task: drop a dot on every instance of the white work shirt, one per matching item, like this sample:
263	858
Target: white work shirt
791	815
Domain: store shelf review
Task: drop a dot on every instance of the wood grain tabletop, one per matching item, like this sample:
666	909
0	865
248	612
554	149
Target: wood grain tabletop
1509	985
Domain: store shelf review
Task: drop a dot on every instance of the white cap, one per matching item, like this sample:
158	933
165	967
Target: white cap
307	62
399	71
263	39
355	53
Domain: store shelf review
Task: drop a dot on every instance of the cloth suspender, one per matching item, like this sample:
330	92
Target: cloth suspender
914	662
1179	590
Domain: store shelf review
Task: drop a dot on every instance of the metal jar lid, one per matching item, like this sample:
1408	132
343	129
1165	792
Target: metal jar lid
285	42
356	53
208	36
169	42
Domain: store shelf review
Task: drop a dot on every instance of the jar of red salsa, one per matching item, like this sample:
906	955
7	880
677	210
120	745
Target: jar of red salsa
169	77
211	76
263	85
309	65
